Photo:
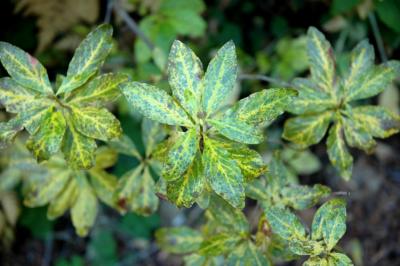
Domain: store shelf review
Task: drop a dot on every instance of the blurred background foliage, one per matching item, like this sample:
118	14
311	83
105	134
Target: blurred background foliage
270	40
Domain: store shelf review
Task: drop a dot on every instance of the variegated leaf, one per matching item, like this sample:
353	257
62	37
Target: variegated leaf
307	130
249	161
184	191
357	136
237	130
136	191
311	99
180	155
24	69
16	98
338	154
124	145
99	91
218	244
247	254
227	216
321	59
284	223
88	58
303	197
8	131
104	185
47	189
377	120
97	123
84	209
64	200
362	62
262	107
339	259
223	174
152	134
155	104
78	149
179	240
372	83
47	140
329	223
316	261
219	78
185	73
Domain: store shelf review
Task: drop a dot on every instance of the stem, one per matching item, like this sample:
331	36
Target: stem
377	35
107	17
265	78
132	25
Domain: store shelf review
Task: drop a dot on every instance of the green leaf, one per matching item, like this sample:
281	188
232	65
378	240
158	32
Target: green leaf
24	69
218	244
338	154
362	62
155	104
181	155
256	190
8	131
179	240
357	136
152	134
136	191
104	184
388	12
185	73
124	145
84	210
99	91
97	123
262	107
64	200
303	197
219	78
78	149
372	83
322	64
47	188
230	218
223	174
284	223
339	259
88	58
277	176
307	130
377	120
247	254
329	223
48	138
184	191
311	99
237	130
15	98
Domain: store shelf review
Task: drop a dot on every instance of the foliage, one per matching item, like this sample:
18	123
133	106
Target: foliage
71	119
237	204
207	150
327	98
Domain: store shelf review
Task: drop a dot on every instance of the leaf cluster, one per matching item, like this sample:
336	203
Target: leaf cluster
69	119
327	98
207	151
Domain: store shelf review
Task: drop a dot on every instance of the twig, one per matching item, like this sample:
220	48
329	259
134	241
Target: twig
48	250
107	17
377	35
132	25
265	78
